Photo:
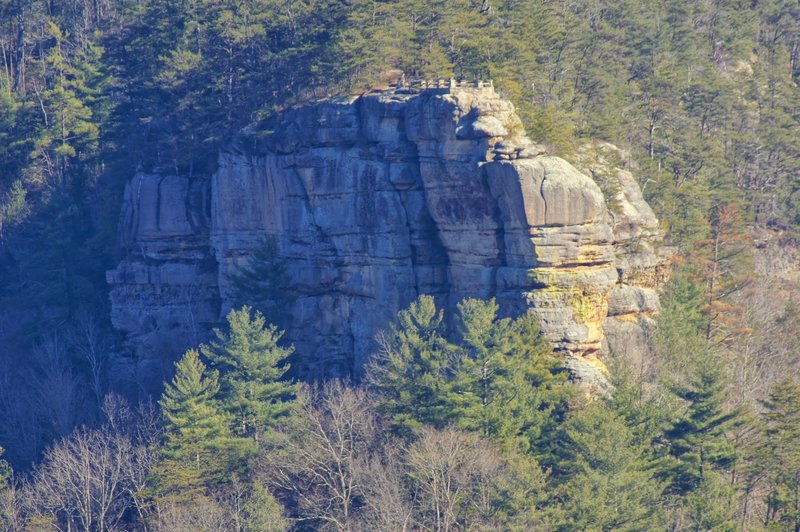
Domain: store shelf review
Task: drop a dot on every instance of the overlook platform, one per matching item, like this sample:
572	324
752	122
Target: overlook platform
441	86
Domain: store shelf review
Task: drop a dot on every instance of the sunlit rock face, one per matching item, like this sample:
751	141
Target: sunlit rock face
374	201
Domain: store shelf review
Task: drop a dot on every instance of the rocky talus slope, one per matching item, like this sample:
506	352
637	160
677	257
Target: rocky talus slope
374	201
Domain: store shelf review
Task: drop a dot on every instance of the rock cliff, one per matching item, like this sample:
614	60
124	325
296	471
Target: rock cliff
374	201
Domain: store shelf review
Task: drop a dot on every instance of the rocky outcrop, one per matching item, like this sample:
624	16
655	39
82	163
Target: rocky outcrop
374	201
639	258
164	293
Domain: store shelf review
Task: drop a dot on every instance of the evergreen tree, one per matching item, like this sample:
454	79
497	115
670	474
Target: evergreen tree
711	506
509	385
698	454
411	374
646	406
610	483
263	513
263	283
13	207
699	458
198	449
70	130
682	325
252	366
65	276
779	455
725	265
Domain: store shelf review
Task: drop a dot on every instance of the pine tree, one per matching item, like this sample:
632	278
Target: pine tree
646	407
610	483
411	373
698	454
64	276
724	264
696	441
682	325
508	384
481	372
711	506
198	449
70	129
263	283
13	207
263	513
252	366
698	459
779	455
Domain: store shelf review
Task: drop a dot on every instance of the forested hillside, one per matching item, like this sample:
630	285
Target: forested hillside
476	427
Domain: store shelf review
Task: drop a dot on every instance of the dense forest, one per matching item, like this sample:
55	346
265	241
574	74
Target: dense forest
478	427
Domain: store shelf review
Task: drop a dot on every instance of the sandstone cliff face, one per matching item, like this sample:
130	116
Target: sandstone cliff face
641	262
375	201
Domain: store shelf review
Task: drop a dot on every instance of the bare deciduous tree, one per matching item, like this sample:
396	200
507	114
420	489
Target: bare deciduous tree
143	427
93	347
82	479
388	503
91	478
317	457
58	392
11	509
202	514
462	481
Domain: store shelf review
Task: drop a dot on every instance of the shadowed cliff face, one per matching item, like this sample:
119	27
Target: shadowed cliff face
373	202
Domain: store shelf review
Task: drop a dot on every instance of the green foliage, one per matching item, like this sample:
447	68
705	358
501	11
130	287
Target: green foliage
200	71
682	323
696	441
779	455
252	366
65	276
507	383
13	207
610	482
413	370
69	132
263	283
263	513
710	506
198	449
501	379
699	456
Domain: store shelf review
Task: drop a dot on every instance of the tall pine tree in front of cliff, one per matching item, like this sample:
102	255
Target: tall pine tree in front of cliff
699	456
263	283
412	372
199	450
605	476
252	366
507	383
